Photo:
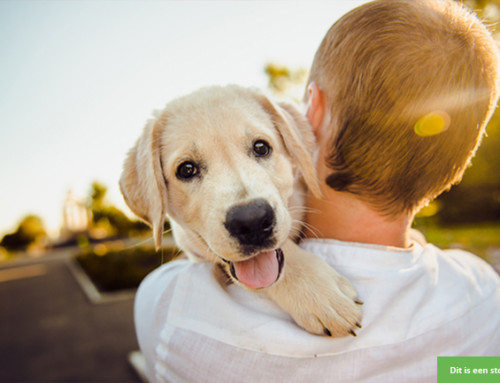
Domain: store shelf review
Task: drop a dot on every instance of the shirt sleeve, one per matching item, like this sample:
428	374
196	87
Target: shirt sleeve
150	308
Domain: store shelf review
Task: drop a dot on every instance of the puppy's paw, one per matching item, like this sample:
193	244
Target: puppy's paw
329	306
318	298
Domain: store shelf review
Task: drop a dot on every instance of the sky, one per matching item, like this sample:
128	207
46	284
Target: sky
79	79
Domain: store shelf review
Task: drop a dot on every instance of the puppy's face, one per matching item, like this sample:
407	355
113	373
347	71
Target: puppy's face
225	176
228	178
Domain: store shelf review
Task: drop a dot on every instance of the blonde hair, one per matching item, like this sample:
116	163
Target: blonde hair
386	68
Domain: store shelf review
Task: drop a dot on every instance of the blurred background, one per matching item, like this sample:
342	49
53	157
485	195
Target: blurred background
78	81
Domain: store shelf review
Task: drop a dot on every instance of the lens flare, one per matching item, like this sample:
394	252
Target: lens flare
432	123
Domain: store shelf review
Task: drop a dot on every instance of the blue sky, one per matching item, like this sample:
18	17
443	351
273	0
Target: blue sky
78	80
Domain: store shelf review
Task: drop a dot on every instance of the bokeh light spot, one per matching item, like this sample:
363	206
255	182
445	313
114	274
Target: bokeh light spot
432	123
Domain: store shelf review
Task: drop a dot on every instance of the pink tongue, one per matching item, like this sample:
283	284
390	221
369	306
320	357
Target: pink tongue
259	271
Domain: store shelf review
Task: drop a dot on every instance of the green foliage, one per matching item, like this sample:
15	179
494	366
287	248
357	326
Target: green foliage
486	164
121	269
477	197
30	230
97	193
286	82
109	220
482	239
470	204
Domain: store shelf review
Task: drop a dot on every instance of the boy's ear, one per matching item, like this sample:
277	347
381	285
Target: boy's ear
315	108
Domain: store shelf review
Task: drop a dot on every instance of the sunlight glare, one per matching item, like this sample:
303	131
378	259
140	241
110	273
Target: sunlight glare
432	123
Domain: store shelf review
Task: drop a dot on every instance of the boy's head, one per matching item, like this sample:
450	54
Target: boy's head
408	87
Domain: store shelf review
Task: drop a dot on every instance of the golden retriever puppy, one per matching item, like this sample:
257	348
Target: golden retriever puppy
228	166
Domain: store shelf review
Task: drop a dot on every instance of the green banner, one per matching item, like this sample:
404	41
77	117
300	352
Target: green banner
468	369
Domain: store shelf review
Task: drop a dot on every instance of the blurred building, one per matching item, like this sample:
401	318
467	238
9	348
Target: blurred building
76	217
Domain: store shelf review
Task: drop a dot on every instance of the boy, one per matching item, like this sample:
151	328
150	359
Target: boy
399	95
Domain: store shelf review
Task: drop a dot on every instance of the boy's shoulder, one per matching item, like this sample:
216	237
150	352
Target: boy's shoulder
467	266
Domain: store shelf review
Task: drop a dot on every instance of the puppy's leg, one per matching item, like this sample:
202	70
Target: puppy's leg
315	295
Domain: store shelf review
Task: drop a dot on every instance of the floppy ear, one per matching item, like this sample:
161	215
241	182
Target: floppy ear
298	138
142	182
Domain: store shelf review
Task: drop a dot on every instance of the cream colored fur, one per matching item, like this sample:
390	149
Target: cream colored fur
215	127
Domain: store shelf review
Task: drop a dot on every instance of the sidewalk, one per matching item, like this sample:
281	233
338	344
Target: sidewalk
49	330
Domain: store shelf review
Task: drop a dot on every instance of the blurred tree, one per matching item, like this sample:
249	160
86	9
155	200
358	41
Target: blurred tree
108	220
97	193
30	230
477	197
286	82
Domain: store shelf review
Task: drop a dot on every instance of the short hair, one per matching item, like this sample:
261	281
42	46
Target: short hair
384	68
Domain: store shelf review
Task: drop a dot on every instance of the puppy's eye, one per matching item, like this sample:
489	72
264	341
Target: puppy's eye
186	171
261	148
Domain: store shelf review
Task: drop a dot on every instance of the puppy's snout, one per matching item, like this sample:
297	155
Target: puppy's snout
252	223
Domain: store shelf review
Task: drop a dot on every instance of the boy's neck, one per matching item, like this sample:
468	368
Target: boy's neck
344	217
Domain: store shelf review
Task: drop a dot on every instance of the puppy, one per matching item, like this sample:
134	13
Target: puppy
229	167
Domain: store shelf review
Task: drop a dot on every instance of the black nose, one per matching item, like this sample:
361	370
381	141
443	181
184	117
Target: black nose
251	224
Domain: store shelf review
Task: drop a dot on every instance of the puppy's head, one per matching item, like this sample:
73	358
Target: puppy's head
222	163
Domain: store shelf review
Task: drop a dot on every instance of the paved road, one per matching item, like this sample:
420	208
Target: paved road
50	332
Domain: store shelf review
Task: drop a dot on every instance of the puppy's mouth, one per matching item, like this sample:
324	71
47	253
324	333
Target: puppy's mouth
260	271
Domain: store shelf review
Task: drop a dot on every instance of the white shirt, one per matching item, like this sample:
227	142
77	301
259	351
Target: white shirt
419	303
